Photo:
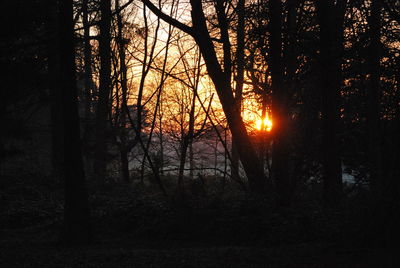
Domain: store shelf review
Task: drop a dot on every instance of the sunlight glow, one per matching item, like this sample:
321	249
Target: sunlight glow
264	124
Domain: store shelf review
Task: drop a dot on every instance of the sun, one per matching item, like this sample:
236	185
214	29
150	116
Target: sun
264	124
253	116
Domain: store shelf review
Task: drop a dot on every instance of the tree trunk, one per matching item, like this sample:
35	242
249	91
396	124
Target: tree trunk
100	161
87	51
124	105
187	139
280	149
373	97
290	55
161	137
55	93
330	17
263	138
239	79
76	228
191	161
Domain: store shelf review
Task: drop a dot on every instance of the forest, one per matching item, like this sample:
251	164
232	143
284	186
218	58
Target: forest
200	133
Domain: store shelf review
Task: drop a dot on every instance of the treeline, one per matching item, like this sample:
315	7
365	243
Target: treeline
121	77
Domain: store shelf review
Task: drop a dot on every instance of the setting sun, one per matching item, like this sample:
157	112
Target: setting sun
264	124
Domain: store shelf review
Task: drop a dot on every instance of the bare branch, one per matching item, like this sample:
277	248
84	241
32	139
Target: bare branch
168	19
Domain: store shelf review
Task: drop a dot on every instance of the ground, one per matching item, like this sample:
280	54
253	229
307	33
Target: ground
135	226
139	254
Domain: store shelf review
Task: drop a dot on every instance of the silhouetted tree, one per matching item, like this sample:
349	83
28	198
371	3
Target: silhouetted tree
374	95
76	228
102	111
55	92
221	77
280	152
240	64
88	77
123	145
330	16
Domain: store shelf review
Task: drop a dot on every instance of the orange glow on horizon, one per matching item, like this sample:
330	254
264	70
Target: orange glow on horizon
264	124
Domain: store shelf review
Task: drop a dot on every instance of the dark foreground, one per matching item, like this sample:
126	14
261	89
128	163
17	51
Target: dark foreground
135	226
136	255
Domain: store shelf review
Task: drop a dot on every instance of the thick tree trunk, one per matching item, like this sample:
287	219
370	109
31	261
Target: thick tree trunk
87	52
57	154
280	149
383	147
76	228
100	158
239	79
330	17
290	65
374	97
